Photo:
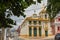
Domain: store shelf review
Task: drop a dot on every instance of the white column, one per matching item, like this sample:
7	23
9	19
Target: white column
32	32
43	16
32	23
37	31
43	31
37	22
47	16
56	29
49	29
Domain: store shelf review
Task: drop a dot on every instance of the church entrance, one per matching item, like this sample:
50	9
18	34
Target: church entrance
39	31
35	31
30	31
46	33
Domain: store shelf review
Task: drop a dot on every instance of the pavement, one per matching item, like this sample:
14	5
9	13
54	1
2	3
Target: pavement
46	38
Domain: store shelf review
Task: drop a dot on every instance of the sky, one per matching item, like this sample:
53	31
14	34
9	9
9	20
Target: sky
29	12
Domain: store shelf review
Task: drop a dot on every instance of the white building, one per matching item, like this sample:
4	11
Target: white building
36	26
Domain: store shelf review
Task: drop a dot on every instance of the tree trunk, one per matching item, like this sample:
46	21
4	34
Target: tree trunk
3	31
0	35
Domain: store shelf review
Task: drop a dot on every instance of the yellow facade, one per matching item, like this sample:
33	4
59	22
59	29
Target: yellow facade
34	30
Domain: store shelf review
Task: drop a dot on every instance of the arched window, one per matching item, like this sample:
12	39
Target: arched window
58	19
35	31
45	16
58	28
30	22
30	31
40	31
39	22
46	32
35	22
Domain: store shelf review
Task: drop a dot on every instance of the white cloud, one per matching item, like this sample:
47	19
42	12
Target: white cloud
29	11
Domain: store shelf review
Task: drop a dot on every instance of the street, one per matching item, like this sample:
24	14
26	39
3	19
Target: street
36	39
47	38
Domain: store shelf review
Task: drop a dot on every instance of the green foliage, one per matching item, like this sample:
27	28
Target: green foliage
53	8
29	2
39	1
16	6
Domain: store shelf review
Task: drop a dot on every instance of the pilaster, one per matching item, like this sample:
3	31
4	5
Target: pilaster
37	31
32	32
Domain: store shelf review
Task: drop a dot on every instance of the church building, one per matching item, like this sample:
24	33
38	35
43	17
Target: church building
36	25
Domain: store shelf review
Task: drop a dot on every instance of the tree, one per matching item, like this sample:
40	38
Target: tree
39	1
53	7
16	6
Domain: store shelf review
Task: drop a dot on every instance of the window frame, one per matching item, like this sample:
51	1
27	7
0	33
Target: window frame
30	31
30	22
45	16
35	22
39	22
